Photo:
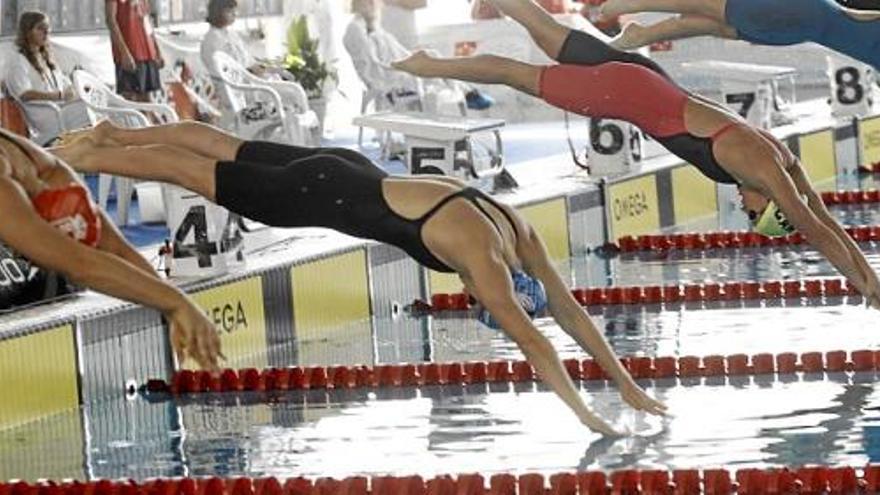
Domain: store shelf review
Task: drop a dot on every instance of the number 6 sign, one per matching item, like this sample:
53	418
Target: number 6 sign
206	238
851	86
615	146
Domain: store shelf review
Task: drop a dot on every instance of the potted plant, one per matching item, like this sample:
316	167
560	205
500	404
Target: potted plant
304	62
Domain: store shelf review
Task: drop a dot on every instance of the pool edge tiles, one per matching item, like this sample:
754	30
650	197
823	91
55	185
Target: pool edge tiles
331	295
869	141
238	311
39	375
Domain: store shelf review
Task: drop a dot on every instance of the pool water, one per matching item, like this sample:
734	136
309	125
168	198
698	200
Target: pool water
739	422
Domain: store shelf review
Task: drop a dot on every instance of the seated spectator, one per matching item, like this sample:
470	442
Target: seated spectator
399	19
372	50
220	38
32	76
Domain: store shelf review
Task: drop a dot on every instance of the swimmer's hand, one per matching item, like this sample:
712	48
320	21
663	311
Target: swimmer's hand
193	335
639	400
598	425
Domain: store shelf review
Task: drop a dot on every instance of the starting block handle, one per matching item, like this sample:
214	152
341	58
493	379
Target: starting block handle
497	161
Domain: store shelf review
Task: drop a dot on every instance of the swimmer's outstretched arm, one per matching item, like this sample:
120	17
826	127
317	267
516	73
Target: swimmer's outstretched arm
817	206
577	323
819	229
488	279
191	332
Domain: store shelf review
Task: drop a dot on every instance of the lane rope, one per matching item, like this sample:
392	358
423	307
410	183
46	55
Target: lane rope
704	241
670	294
842	480
189	382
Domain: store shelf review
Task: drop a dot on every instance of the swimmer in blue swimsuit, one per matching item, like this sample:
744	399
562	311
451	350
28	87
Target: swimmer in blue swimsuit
855	33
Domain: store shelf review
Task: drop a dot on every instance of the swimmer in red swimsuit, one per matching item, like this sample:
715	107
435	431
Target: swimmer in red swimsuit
596	80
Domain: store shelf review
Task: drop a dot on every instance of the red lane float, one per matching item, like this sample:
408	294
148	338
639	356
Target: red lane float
409	375
843	480
691	293
728	240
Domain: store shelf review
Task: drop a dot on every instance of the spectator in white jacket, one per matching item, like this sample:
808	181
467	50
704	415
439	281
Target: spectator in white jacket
372	49
221	38
399	19
32	76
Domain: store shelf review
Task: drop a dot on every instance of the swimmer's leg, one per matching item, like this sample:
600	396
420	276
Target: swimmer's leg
549	34
486	69
713	9
635	35
196	137
159	162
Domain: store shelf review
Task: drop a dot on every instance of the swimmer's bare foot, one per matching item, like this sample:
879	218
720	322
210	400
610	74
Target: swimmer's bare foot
70	137
76	153
99	135
417	64
632	36
103	134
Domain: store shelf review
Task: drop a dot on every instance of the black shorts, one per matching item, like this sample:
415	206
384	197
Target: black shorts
143	79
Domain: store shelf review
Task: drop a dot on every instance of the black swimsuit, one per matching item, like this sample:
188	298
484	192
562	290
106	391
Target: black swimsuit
291	186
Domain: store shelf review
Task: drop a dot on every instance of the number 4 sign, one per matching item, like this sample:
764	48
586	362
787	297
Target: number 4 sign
851	86
207	240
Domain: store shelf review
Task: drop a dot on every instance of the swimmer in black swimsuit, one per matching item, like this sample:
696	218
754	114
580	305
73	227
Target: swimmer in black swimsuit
437	220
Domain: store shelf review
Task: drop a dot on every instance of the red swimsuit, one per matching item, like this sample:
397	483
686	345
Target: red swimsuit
617	90
595	80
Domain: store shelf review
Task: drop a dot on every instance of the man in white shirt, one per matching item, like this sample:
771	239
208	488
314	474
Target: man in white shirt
399	19
372	50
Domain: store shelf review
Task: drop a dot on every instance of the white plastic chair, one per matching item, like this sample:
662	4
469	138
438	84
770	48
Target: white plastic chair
104	104
241	91
179	54
50	106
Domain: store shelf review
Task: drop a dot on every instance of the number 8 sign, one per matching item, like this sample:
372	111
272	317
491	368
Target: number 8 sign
851	86
206	238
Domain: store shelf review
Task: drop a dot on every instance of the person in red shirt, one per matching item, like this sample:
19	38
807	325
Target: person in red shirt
135	51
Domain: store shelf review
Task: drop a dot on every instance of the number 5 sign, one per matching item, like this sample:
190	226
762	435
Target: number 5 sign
206	238
851	86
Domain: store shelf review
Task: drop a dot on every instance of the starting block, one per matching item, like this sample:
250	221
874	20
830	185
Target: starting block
751	89
441	144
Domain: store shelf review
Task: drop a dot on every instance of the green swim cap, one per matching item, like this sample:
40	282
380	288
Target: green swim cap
772	222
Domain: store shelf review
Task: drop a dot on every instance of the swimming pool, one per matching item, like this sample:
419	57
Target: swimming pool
736	422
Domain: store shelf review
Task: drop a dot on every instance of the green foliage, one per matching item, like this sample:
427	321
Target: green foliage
303	60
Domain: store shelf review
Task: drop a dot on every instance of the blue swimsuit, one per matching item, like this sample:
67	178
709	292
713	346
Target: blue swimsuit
788	22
